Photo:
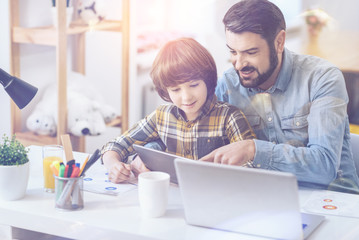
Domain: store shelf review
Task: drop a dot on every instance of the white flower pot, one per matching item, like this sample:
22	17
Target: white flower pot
13	181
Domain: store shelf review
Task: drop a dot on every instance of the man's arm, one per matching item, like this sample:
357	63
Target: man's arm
319	159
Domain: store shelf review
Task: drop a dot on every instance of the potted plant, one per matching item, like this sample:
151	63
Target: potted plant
14	169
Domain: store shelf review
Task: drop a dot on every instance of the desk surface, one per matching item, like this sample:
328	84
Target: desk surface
338	47
112	217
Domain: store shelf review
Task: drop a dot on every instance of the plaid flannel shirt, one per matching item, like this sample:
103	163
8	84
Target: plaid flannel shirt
218	124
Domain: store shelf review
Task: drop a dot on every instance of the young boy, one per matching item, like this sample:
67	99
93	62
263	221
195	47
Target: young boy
194	124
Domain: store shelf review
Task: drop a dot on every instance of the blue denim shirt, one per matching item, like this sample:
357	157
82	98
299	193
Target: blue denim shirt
301	122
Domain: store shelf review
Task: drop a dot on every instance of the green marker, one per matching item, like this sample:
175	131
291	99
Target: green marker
62	170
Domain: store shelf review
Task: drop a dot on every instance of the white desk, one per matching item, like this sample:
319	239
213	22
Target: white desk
115	217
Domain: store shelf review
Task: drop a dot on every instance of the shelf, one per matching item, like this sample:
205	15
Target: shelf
48	35
117	122
30	138
57	37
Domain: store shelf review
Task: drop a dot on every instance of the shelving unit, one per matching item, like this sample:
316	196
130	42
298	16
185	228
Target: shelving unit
57	37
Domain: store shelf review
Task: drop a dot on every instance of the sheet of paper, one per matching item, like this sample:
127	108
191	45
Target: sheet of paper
96	181
327	202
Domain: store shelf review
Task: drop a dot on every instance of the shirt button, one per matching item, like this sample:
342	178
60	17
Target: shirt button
297	124
189	125
269	119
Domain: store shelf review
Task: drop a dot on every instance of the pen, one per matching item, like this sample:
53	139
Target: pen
65	194
96	155
84	164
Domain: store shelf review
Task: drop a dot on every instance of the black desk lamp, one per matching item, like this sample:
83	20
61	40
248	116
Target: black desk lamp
20	92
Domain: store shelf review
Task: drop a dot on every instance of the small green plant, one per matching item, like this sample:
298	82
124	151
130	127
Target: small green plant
12	152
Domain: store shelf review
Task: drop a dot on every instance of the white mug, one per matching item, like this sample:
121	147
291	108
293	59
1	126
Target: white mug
153	193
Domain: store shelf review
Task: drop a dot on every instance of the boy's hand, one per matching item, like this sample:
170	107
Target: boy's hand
119	172
237	153
138	167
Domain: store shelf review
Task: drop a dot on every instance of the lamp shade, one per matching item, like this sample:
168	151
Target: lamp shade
20	91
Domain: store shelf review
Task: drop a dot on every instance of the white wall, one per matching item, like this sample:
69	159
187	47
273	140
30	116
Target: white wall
345	12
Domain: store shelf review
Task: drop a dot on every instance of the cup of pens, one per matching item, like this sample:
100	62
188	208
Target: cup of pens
69	193
69	181
68	185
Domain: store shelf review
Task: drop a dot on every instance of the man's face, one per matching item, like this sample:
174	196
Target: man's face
252	58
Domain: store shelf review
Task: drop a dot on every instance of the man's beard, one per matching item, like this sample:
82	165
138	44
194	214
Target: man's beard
273	61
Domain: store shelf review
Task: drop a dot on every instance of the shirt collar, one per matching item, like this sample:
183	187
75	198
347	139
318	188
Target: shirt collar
284	75
206	108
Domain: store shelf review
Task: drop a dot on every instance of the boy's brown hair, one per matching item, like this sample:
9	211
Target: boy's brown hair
180	61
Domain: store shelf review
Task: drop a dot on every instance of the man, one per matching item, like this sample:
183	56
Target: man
296	104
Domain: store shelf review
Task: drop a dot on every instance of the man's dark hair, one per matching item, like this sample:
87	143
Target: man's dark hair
257	16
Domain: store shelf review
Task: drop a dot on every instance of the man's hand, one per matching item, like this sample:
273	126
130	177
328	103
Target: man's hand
237	153
138	167
117	170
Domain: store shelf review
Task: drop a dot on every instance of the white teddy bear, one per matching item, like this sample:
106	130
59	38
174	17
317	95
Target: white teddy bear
41	123
85	115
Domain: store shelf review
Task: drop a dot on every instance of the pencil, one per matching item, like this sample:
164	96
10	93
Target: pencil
84	164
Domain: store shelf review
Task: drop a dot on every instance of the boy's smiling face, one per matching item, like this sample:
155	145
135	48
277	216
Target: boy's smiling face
189	97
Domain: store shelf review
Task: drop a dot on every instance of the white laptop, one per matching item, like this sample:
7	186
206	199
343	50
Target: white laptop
249	201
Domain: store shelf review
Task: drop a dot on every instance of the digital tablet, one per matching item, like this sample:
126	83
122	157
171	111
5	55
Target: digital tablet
156	160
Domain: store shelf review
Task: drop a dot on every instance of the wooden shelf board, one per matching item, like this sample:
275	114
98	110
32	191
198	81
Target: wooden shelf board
117	122
48	35
30	138
105	25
